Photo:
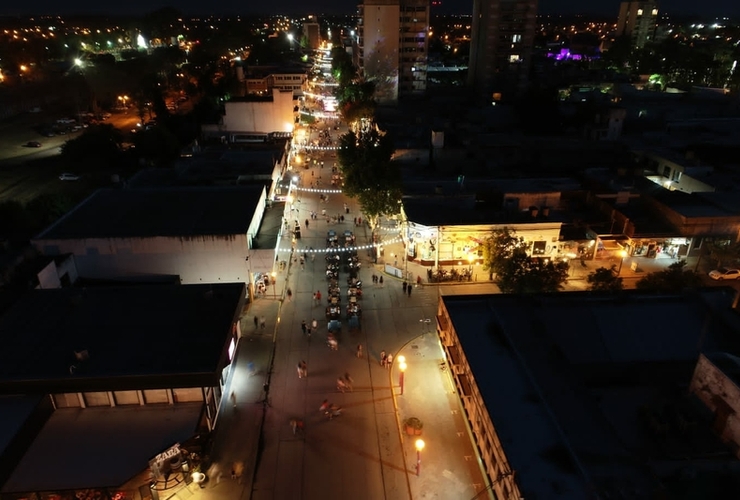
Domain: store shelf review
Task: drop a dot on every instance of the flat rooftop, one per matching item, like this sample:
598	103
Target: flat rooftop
137	337
104	447
550	368
151	212
455	210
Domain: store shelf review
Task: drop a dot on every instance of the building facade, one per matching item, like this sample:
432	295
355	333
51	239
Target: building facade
501	45
392	46
312	33
638	20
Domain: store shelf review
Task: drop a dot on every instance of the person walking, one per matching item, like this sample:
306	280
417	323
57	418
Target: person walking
256	322
303	327
263	322
389	361
383	358
233	398
306	223
341	386
349	382
289	293
380	280
304	369
299	369
324	406
314	324
409	290
405	285
359	350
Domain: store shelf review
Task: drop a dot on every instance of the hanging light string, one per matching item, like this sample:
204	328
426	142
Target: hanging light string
397	239
311	190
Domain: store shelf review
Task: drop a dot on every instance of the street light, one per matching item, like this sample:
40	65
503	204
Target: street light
419	446
622	255
401	369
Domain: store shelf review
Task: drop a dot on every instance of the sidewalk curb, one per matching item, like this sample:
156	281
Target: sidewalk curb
398	416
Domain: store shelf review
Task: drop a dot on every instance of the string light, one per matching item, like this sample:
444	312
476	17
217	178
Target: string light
344	249
312	190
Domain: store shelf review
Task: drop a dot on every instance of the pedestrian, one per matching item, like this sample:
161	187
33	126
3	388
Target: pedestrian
233	473
405	285
303	326
289	293
256	322
318	296
383	358
308	332
306	223
314	324
389	361
341	386
359	350
409	290
380	280
324	406
314	298
263	322
355	221
233	398
304	369
348	381
299	369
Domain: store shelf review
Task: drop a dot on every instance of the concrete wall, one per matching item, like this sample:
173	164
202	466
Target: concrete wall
381	27
260	116
722	396
197	259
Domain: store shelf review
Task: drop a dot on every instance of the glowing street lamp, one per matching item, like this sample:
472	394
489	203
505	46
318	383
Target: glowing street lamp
419	446
622	255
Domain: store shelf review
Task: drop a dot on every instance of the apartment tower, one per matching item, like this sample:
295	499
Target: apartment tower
392	47
638	20
501	47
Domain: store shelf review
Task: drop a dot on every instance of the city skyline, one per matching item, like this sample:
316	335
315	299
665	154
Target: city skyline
711	8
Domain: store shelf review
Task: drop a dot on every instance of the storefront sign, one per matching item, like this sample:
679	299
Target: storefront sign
159	464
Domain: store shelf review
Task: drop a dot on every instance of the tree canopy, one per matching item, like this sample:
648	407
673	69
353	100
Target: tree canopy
369	174
673	279
99	143
506	255
604	280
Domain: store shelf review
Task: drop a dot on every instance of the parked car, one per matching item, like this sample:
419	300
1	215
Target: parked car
724	273
69	177
33	144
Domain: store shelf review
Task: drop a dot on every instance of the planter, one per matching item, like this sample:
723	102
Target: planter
413	426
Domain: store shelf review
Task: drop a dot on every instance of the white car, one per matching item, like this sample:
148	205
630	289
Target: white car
724	273
69	177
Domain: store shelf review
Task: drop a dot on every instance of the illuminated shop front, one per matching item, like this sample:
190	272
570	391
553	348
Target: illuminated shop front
463	244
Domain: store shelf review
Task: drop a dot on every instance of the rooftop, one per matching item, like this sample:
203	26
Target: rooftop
135	336
151	212
104	447
458	210
551	369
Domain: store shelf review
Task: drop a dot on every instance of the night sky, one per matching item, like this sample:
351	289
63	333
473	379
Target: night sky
705	9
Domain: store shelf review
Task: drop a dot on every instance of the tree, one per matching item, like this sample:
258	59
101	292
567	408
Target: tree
158	145
99	143
369	174
672	279
604	280
506	255
724	251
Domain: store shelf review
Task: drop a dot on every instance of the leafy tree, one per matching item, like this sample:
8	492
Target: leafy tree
356	101
604	280
506	255
670	280
369	174
157	145
97	143
724	251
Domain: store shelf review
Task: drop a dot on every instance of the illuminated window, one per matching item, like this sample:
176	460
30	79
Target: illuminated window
516	38
639	12
655	12
513	58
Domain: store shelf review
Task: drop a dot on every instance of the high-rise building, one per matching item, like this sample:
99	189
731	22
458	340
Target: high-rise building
392	46
501	44
312	32
638	20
